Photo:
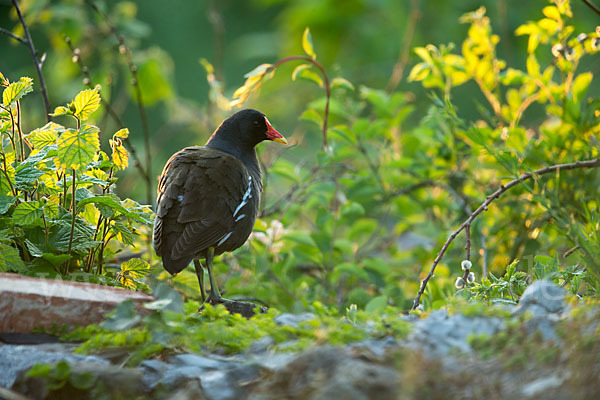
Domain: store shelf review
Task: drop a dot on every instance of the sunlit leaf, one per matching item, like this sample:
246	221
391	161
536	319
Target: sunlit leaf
60	110
298	69
131	271
307	44
46	135
76	148
86	102
28	213
9	258
16	90
120	155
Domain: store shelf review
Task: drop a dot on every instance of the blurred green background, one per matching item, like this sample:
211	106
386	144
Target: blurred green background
360	40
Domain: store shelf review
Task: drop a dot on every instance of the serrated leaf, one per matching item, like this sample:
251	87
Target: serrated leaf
307	44
46	135
33	249
16	90
342	83
298	69
76	148
3	80
9	258
87	102
113	204
131	271
60	110
26	175
28	213
6	202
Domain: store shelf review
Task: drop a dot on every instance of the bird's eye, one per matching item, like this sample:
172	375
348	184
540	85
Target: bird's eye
257	123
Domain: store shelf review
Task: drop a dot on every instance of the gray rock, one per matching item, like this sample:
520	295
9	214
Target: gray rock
293	320
328	373
439	333
542	297
262	345
16	359
544	385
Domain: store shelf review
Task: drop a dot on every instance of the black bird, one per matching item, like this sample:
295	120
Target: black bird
208	196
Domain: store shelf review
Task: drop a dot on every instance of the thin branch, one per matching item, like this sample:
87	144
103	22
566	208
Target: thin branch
595	163
36	62
12	35
109	108
138	93
593	7
400	66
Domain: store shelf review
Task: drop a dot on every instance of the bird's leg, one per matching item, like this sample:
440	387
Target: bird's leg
200	275
214	297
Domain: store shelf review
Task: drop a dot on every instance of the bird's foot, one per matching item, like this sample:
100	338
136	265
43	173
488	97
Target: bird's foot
244	308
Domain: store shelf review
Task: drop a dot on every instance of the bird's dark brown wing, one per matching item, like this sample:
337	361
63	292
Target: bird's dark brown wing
199	191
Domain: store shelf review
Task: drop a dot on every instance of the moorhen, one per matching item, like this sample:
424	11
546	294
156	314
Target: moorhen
208	197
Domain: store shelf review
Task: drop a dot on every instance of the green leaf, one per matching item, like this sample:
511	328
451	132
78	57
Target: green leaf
26	176
580	86
86	102
29	213
377	304
33	249
76	148
124	317
307	44
60	110
46	135
82	380
298	69
311	76
313	116
131	271
10	258
341	83
16	90
112	203
300	237
5	202
258	71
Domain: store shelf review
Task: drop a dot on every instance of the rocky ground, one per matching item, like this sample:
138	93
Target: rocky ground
540	349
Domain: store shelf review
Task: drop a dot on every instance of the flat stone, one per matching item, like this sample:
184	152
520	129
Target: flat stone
541	297
27	303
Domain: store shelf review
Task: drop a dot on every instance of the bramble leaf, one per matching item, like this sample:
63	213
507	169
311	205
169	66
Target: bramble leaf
86	102
76	148
16	90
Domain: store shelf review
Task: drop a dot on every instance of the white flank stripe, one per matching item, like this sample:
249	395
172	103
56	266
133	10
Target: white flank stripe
240	217
247	195
224	238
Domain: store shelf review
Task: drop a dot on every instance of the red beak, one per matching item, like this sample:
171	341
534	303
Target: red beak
273	135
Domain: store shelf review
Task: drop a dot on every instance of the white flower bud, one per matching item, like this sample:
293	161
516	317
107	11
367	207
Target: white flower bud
466	264
460	283
581	37
471	277
557	50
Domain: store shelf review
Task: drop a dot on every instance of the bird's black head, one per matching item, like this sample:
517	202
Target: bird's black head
244	130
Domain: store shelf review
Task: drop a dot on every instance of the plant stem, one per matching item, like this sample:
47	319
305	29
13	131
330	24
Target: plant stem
594	163
74	212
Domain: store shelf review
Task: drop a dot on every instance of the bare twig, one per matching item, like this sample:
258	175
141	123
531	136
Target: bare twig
595	163
593	7
12	35
138	93
400	66
36	62
109	108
